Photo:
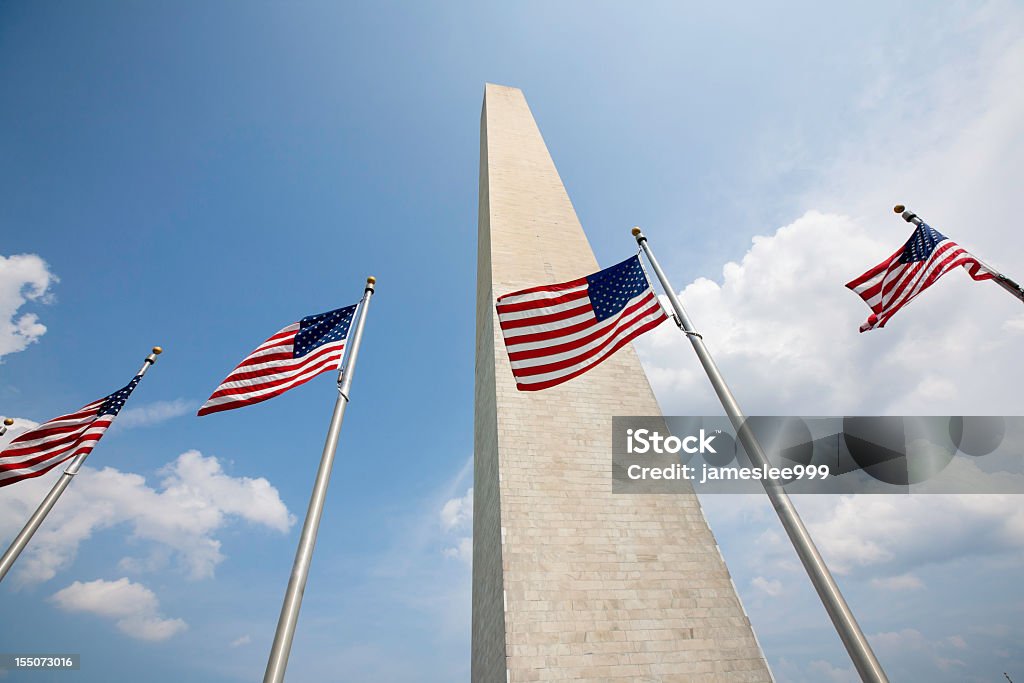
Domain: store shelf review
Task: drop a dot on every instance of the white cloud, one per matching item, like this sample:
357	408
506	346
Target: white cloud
823	671
457	513
134	607
815	671
462	551
153	413
241	640
456	519
903	582
23	278
179	520
958	642
771	587
912	641
918	529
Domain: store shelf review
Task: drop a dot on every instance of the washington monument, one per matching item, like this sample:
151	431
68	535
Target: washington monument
572	582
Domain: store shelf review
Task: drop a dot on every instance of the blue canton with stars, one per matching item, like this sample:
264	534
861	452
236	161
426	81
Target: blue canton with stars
112	404
921	244
612	288
324	328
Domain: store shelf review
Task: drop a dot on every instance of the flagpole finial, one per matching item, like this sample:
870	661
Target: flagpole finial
157	350
8	421
370	282
899	208
635	231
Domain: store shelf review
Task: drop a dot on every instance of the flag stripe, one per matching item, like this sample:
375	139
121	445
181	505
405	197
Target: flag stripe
257	377
556	332
585	359
42	448
537	386
553	352
258	388
288	358
895	282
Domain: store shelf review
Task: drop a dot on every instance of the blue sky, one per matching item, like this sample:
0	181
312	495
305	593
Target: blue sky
198	175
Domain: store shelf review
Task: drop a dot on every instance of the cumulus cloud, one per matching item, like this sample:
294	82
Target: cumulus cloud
912	641
134	608
456	518
815	671
457	513
772	587
23	278
462	551
178	520
783	328
903	582
918	529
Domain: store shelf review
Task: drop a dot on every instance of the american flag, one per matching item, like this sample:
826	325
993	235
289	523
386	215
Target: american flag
292	356
39	450
556	332
893	283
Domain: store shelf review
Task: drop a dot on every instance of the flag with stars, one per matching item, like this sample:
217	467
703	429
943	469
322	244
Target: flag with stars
893	283
291	357
556	332
39	450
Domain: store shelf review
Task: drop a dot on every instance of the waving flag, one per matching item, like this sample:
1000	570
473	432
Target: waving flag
291	357
39	450
893	283
556	332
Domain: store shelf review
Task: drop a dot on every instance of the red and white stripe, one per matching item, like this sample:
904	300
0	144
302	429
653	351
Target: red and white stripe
552	334
39	450
891	285
271	370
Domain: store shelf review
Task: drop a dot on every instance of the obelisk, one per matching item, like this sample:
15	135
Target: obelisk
570	581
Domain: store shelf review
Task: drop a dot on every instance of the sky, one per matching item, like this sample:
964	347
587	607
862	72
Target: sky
198	175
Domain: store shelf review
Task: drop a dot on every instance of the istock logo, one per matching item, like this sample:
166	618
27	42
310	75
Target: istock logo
648	441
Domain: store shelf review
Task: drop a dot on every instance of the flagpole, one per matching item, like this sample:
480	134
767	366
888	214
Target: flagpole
286	623
1000	279
7	423
22	539
846	625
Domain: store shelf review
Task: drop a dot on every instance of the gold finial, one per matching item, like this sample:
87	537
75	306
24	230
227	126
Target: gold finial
635	231
899	208
157	350
8	421
371	280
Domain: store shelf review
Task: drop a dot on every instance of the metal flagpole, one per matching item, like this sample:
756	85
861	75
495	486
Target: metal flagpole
1000	279
849	631
22	539
7	423
282	646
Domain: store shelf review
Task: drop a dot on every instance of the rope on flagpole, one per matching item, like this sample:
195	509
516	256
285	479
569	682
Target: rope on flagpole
640	239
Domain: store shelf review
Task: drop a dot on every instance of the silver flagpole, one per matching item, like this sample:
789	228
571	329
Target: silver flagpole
282	646
7	423
1000	279
849	631
22	539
